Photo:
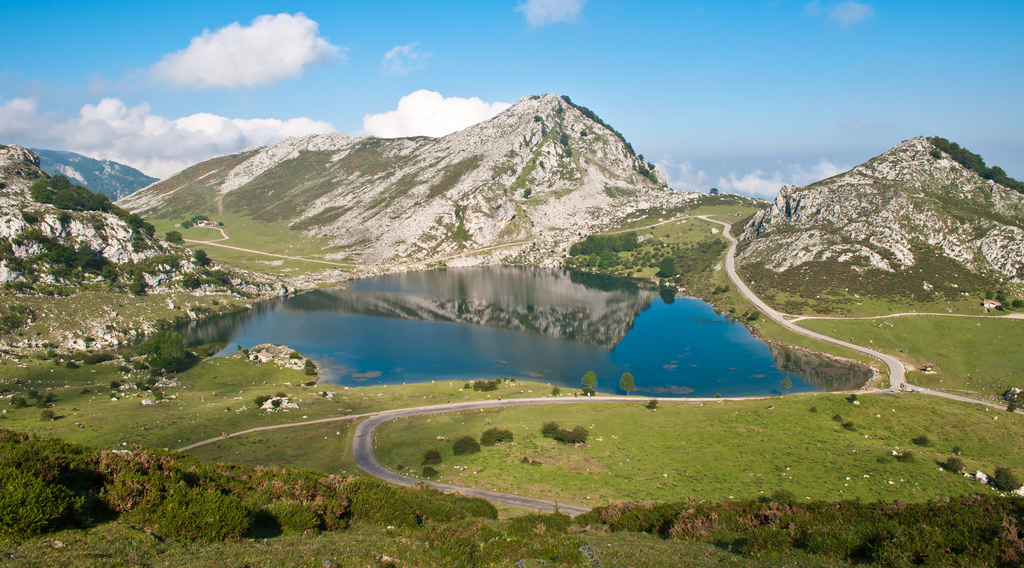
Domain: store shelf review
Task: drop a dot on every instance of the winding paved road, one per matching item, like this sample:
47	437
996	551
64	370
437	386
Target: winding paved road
897	371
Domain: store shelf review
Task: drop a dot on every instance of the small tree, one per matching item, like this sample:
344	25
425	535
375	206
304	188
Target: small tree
1005	480
310	367
626	383
166	350
590	379
202	259
555	391
431	457
465	445
787	384
652	404
667	267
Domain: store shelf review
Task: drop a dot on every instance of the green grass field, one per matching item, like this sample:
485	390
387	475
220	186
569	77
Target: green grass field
720	451
974	356
273	238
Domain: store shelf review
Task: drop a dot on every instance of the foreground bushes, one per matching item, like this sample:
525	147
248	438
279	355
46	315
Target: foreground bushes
47	484
969	531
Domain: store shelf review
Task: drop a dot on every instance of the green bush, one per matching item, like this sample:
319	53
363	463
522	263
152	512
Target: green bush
493	436
430	472
922	441
1005	480
954	464
761	540
377	503
431	457
465	445
294	518
201	515
651	404
483	385
29	505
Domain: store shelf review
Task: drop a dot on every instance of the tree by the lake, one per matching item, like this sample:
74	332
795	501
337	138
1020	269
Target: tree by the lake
166	350
667	267
590	379
787	384
626	383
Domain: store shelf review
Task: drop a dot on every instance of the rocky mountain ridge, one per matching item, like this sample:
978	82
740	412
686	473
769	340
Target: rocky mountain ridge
910	205
80	242
101	176
531	180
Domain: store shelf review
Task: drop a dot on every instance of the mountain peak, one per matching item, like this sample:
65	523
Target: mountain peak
540	168
908	207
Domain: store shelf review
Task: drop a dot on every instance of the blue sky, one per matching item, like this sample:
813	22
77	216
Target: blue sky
743	96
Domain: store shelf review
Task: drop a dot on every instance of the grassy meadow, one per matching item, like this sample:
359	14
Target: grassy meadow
971	356
719	451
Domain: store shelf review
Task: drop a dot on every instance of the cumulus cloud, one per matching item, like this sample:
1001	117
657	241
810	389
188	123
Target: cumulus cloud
267	51
766	185
683	176
543	12
427	113
19	119
403	59
135	136
845	14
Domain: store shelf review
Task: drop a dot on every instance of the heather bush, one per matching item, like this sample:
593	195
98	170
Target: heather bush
29	505
201	515
465	445
431	457
493	436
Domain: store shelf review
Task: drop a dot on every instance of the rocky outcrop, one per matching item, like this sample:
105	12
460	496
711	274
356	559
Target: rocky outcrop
523	185
876	215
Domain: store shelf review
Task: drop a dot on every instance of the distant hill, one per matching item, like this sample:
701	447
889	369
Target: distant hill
101	176
913	222
532	179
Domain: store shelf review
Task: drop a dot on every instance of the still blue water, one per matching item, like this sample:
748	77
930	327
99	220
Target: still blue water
545	325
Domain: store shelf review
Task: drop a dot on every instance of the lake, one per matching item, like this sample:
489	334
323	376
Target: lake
525	323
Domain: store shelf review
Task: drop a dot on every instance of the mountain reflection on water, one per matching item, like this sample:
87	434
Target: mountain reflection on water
529	323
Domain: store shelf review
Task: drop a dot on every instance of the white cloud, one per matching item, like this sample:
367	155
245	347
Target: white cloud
845	14
403	59
427	113
758	183
682	176
18	119
135	136
544	12
268	50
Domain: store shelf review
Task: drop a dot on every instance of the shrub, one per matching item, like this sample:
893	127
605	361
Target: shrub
29	505
430	472
577	435
849	426
465	445
293	518
587	391
761	540
493	436
259	400
1005	480
377	503
813	409
309	368
48	415
19	402
838	418
483	385
906	457
71	365
555	391
548	429
922	441
431	457
201	515
954	464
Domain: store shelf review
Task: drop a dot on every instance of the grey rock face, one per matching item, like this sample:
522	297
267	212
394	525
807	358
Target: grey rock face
875	214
